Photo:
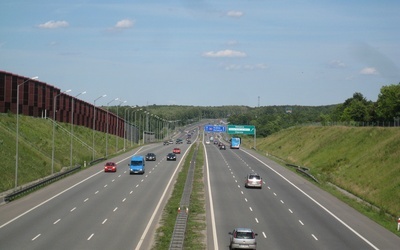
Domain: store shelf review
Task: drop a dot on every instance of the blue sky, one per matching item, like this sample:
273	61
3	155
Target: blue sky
205	53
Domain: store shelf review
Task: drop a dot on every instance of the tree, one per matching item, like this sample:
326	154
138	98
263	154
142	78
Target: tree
388	103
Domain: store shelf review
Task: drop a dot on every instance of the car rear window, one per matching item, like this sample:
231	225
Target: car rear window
257	177
244	235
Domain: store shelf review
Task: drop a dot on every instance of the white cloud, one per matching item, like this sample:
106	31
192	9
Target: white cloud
234	13
53	24
124	24
232	42
337	64
224	53
369	71
245	67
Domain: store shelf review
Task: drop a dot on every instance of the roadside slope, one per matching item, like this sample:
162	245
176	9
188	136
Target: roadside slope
365	161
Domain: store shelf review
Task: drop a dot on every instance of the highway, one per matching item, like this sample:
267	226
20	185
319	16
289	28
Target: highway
97	210
93	209
289	212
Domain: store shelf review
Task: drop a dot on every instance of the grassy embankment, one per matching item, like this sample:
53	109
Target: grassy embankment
364	161
36	145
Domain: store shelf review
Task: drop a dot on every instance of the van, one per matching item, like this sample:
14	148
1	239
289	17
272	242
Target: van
137	165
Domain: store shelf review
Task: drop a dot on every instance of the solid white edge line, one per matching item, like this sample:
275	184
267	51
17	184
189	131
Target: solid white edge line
159	204
214	230
316	202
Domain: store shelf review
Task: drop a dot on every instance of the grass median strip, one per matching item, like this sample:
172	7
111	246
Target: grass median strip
195	230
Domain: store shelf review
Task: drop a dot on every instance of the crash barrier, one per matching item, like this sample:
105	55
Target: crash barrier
178	236
44	182
303	170
96	161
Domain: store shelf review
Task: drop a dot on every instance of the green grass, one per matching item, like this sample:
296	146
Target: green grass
361	160
36	145
195	230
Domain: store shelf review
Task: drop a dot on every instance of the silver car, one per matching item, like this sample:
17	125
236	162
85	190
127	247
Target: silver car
243	238
253	180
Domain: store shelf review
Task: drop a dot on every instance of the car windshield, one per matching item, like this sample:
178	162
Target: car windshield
244	235
136	163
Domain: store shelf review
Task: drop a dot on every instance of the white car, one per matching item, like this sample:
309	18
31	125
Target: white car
207	142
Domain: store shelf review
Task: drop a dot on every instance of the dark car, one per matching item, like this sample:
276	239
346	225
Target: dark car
150	157
171	157
110	167
222	147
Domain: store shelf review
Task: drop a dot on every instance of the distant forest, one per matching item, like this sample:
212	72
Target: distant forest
355	110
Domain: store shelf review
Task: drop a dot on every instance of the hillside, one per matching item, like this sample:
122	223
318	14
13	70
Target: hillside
36	148
365	161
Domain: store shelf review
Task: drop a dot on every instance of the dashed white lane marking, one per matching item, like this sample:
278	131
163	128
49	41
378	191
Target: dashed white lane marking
119	175
37	236
301	223
90	237
265	236
256	220
124	200
130	192
314	237
115	209
104	221
86	200
275	194
251	209
282	202
73	209
137	185
245	199
113	180
105	185
56	221
96	192
290	210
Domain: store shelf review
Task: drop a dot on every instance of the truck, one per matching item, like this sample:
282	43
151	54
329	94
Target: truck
137	165
235	143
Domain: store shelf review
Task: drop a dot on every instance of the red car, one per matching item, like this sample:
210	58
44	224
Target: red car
176	151
110	167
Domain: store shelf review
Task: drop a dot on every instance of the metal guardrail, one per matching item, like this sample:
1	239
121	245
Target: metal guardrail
96	161
304	171
46	181
178	236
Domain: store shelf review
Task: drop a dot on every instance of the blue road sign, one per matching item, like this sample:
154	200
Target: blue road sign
212	128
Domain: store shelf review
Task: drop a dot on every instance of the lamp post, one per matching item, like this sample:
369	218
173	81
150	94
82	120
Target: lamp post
72	124
17	137
125	130
54	128
94	121
116	99
136	127
117	134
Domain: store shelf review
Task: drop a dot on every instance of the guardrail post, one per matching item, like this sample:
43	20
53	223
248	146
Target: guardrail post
398	224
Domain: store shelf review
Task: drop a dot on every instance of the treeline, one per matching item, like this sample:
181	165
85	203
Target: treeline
271	119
